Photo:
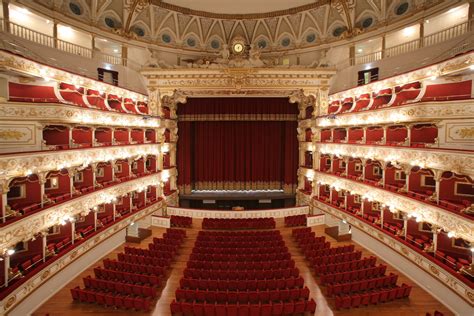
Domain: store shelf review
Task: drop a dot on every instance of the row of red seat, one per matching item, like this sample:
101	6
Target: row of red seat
280	308
361	274
295	220
133	267
181	221
373	297
345	266
160	262
240	244
241	257
242	297
332	251
119	287
388	281
242	285
148	253
241	274
250	265
331	259
216	235
111	299
130	278
239	250
238	223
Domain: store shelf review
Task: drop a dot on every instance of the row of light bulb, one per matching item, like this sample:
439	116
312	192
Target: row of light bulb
418	217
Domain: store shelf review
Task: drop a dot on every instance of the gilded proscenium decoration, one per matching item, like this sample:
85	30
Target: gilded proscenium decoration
436	271
17	165
454	161
58	265
193	80
461	226
25	229
74	115
11	135
419	112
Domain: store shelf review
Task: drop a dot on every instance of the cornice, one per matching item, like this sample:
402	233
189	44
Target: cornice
444	160
26	228
19	165
281	81
61	113
459	225
453	283
417	112
36	281
250	16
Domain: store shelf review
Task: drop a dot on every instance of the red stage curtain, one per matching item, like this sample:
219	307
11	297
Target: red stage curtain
237	154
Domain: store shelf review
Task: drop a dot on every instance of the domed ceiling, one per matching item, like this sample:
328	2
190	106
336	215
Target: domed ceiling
239	7
205	25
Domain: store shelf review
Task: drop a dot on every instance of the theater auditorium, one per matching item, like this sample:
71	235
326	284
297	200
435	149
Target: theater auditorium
237	158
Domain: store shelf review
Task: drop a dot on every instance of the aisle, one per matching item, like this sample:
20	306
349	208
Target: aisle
177	268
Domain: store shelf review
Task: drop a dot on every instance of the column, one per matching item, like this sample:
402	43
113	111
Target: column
95	219
384	138
405	225
362	206
345	200
407	170
44	235
6	16
364	137
5	188
331	170
113	211
145	195
318	190
364	163
130	198
73	231
330	194
130	162
383	165
124	55
352	54
71	142
172	154
114	141
71	172
42	182
129	134
384	44
332	135
408	142
93	142
382	211
422	34
6	268
346	171
55	33
436	230
437	177
94	174
112	165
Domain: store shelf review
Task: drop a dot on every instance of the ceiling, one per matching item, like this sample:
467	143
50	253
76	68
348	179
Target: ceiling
239	6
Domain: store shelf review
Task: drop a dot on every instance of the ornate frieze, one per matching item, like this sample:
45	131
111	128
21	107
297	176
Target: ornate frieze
461	226
60	113
17	165
276	213
418	112
38	279
25	229
454	161
456	285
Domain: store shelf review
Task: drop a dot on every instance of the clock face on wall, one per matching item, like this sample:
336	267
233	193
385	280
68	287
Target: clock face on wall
238	46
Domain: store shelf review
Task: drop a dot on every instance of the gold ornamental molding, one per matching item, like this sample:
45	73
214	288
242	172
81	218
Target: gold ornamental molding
444	160
26	228
37	280
13	63
454	284
461	226
23	164
448	67
224	80
418	112
69	114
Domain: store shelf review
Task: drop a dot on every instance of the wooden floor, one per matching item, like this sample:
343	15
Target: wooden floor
418	304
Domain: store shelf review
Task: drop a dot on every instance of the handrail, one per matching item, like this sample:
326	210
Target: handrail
429	40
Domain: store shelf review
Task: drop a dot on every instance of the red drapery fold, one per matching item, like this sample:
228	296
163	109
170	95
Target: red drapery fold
237	155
